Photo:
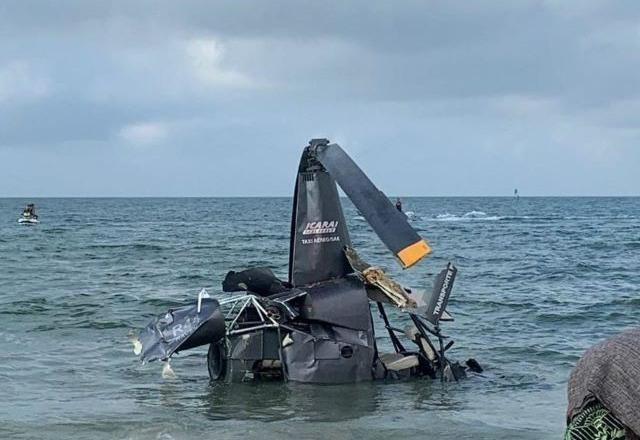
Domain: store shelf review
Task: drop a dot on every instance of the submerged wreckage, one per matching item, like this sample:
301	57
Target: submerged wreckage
317	327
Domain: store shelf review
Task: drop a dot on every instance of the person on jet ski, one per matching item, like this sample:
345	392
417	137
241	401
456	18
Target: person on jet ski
30	211
398	204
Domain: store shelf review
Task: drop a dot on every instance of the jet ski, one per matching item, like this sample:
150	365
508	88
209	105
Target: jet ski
29	216
317	325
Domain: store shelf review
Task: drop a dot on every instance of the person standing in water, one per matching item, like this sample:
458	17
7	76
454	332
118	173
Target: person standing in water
398	204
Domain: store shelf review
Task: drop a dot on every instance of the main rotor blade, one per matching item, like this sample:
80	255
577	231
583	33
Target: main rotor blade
390	224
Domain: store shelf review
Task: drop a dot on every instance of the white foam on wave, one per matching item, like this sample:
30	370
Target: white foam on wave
469	216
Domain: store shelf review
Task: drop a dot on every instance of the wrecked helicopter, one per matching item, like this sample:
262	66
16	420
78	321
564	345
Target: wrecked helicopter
317	326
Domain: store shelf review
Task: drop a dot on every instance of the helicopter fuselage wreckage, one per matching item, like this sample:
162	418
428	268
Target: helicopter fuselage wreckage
317	327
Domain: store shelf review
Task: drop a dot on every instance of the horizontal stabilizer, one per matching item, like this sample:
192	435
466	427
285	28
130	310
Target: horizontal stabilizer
389	224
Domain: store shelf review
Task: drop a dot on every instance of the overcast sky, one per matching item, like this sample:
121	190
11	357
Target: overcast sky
219	97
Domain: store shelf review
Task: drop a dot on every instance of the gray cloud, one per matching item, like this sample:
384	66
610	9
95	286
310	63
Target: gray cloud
541	95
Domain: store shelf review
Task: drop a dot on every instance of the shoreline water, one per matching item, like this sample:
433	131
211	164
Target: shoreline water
536	287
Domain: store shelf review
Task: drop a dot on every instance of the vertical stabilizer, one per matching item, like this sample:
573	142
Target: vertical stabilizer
318	229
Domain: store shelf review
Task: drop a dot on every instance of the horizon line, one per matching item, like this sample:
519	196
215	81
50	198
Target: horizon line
291	196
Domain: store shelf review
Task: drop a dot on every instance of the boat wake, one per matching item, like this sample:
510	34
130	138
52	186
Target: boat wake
469	216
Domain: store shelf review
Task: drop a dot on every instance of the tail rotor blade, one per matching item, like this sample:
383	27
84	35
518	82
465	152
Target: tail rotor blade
389	224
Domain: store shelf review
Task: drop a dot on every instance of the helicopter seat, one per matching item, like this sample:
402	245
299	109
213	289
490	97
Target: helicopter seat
398	361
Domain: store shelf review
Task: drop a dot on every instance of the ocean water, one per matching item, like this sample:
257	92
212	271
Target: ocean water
540	280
